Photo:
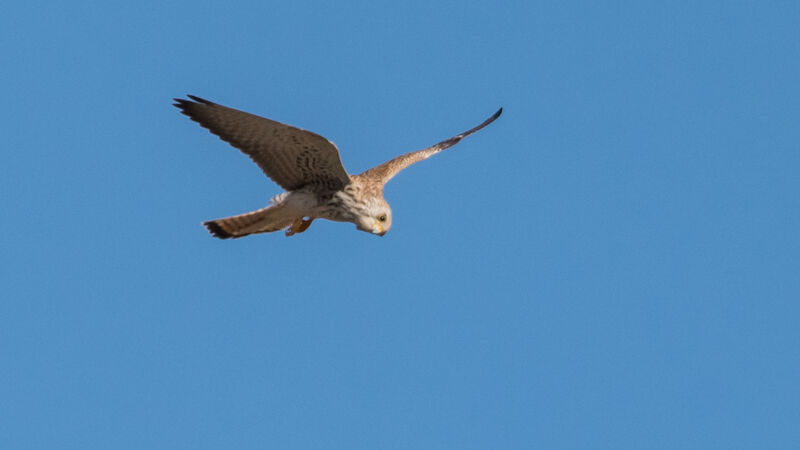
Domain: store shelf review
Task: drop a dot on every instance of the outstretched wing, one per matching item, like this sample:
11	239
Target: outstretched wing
384	172
291	157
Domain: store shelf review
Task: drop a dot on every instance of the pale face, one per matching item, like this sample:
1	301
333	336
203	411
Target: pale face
377	219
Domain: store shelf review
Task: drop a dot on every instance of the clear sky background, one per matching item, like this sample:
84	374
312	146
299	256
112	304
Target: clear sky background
612	264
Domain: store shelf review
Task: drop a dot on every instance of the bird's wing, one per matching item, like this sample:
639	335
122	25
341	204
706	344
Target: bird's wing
291	157
384	172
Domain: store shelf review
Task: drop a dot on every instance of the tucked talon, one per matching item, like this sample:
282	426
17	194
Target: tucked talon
298	226
304	224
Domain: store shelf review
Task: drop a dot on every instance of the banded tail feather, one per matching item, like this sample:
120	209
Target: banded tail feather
265	220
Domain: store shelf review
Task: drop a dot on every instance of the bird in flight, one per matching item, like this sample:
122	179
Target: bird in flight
308	167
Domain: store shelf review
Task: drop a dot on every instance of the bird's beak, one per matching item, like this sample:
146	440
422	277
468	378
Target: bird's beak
378	229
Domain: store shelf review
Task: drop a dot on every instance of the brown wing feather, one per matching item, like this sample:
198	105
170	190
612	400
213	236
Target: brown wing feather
384	172
291	157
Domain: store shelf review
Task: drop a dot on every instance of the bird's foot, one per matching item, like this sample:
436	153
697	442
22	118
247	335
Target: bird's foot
298	226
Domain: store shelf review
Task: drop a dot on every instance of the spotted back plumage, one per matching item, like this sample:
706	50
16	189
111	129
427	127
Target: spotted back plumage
291	157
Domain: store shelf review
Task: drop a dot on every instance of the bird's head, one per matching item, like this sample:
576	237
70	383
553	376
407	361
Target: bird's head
375	218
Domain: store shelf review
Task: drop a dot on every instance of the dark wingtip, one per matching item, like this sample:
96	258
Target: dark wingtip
485	122
183	104
216	230
494	117
199	100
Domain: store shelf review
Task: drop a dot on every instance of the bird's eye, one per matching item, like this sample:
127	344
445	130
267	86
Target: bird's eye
382	218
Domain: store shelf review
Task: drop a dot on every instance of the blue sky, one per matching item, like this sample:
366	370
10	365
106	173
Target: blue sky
611	264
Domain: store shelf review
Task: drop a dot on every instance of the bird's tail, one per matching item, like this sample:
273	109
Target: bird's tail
265	220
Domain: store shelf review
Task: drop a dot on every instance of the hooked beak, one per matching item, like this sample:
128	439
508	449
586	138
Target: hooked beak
379	229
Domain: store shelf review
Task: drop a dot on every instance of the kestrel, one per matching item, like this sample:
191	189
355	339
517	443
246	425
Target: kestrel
308	167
